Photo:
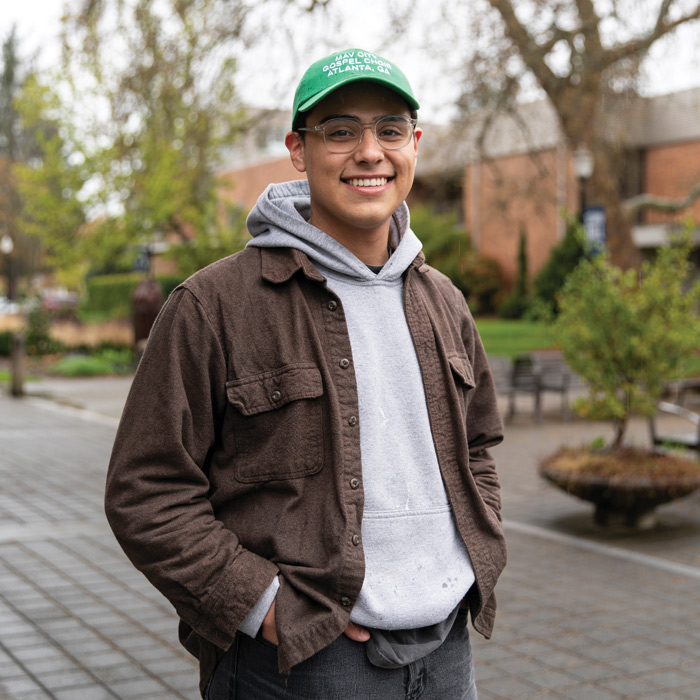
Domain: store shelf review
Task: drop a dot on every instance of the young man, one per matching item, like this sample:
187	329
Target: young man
302	466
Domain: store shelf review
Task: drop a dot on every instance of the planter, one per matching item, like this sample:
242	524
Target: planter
625	486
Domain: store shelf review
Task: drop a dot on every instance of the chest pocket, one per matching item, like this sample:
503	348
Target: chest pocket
462	371
463	375
278	423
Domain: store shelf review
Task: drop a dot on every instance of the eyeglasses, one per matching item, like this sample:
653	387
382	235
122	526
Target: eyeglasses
344	134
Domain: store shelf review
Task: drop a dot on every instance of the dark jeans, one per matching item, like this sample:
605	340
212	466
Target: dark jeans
341	671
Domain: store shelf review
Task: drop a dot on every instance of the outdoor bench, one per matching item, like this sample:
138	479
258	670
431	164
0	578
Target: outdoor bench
537	373
689	440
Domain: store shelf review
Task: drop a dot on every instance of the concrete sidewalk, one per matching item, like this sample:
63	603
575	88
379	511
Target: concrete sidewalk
583	613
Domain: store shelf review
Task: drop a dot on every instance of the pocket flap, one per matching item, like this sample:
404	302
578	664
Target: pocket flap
463	369
270	390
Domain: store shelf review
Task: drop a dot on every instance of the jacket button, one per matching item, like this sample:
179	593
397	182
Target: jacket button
344	363
345	601
356	540
332	305
352	420
354	483
276	395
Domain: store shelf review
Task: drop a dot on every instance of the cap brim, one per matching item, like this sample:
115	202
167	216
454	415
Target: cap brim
313	101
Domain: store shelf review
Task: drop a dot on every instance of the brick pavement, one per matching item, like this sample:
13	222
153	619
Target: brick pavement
584	614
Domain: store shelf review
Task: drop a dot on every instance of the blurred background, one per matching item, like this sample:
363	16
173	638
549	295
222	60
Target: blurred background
135	136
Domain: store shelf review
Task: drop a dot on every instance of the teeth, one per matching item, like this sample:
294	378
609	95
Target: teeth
368	181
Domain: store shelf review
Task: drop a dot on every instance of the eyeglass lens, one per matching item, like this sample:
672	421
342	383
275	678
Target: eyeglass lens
343	135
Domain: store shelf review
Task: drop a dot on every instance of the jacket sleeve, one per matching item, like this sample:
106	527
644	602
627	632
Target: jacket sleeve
484	423
156	498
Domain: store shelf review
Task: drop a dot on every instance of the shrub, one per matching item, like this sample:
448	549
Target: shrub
110	295
6	343
551	278
448	248
38	341
518	302
81	366
106	360
626	333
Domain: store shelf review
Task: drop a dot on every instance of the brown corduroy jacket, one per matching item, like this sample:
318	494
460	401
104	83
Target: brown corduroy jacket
238	454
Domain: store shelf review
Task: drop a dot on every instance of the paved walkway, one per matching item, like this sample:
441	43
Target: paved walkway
583	613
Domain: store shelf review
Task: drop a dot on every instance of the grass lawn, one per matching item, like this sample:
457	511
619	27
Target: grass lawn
510	338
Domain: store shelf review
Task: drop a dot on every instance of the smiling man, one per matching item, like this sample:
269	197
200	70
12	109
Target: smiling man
302	466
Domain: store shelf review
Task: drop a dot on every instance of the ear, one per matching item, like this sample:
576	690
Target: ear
417	133
295	145
416	138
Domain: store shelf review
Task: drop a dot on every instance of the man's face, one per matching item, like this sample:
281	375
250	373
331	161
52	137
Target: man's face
343	203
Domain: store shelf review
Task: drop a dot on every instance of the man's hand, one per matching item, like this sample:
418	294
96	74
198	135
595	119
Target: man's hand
356	633
269	630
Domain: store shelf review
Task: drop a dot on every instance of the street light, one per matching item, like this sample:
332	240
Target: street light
7	245
583	167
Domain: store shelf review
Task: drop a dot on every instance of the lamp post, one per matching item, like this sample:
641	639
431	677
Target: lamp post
7	245
583	167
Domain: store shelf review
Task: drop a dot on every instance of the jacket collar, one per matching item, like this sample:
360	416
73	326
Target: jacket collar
279	265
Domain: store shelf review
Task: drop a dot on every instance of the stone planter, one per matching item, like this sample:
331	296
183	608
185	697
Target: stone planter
625	498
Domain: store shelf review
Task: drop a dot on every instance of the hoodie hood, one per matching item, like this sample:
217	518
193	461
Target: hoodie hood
280	220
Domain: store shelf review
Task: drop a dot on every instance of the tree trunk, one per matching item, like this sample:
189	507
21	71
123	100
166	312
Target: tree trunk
605	192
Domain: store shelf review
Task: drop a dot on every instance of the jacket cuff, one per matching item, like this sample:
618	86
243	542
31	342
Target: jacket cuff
253	621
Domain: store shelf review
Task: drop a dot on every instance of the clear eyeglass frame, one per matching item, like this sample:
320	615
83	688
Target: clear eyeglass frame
344	134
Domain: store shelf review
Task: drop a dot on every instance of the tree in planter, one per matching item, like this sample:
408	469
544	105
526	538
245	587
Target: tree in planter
626	333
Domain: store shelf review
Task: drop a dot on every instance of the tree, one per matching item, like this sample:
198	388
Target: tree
50	183
586	56
15	146
165	110
626	333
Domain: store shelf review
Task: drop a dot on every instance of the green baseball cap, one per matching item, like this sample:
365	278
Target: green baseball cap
343	67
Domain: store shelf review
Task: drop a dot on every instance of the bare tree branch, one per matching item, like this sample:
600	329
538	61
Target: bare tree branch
532	54
641	45
665	204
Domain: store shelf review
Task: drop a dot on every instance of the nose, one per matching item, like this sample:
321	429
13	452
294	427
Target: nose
368	150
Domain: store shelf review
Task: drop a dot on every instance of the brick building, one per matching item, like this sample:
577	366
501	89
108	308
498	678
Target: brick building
519	178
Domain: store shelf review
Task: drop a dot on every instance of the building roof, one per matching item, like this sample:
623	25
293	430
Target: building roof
534	126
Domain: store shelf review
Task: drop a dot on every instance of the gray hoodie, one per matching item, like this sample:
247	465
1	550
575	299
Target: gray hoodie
417	567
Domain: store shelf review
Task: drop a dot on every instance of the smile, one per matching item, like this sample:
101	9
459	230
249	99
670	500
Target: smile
367	181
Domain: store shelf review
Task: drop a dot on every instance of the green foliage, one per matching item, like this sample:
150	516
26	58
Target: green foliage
109	296
103	361
49	184
448	248
518	302
173	110
169	282
6	343
38	341
562	262
16	147
206	248
627	332
511	338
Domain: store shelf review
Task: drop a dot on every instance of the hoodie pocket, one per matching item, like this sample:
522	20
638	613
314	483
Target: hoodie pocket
277	423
